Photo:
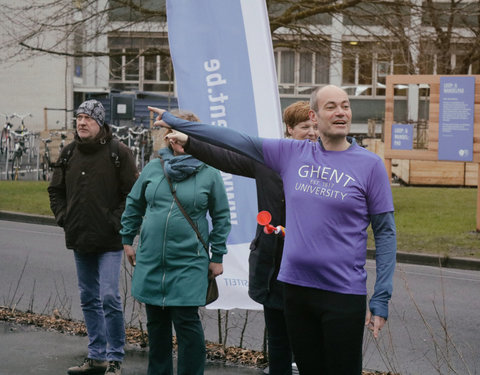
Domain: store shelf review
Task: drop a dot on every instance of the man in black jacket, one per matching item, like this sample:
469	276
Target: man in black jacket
265	249
87	196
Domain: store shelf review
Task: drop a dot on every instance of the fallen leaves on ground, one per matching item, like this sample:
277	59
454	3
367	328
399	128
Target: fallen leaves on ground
138	337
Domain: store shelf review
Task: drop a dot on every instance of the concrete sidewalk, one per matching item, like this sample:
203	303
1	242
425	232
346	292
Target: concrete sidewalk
31	350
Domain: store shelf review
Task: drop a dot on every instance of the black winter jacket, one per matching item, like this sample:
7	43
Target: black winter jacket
265	249
87	196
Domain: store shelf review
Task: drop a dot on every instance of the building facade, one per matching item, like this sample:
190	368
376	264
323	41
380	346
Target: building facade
355	49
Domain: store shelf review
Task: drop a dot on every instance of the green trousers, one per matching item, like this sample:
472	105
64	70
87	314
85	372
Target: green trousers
190	340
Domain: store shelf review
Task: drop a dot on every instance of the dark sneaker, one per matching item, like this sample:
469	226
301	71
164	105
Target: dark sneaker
113	368
89	366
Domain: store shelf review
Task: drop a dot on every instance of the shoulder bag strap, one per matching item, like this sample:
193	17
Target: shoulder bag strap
189	219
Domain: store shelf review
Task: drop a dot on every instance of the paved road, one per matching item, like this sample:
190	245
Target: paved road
434	315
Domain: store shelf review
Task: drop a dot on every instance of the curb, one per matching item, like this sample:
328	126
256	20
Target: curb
27	218
408	258
433	260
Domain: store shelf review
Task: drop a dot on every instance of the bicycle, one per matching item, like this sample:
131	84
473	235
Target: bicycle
138	147
147	141
22	129
63	137
22	126
20	148
5	138
46	162
121	133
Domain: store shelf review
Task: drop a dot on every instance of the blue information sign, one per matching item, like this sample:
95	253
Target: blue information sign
402	137
455	120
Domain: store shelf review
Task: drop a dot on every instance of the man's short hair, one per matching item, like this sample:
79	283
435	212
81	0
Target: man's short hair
313	99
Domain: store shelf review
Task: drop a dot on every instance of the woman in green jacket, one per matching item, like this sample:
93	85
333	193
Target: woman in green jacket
171	265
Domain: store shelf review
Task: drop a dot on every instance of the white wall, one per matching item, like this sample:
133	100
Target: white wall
30	86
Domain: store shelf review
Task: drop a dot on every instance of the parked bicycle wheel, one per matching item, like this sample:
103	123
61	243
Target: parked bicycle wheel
16	164
4	141
45	169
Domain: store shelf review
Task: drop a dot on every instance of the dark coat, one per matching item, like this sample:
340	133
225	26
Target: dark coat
88	195
265	249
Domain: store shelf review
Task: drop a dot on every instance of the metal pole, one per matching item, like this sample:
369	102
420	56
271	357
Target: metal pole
478	199
45	119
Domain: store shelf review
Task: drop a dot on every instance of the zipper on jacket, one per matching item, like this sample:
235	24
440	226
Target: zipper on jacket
164	247
199	244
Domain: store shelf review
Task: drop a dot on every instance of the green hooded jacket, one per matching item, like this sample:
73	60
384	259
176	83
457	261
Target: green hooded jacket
171	263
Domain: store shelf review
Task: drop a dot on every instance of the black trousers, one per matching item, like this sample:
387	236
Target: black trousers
325	330
279	351
190	340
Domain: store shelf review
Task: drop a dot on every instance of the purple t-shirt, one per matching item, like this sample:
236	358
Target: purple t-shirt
330	197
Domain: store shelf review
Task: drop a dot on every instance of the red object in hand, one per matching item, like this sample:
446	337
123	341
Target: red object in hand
269	229
264	218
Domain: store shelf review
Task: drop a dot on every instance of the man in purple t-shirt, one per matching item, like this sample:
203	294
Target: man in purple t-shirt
333	190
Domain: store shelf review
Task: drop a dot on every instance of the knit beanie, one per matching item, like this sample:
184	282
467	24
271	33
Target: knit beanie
94	109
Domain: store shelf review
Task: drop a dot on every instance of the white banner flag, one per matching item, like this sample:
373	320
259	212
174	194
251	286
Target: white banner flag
225	73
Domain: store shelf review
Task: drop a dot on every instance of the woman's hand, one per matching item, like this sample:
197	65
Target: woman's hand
214	270
176	138
130	254
158	119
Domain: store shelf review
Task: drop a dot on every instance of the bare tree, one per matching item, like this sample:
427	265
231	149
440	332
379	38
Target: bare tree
49	26
427	33
454	29
44	26
420	33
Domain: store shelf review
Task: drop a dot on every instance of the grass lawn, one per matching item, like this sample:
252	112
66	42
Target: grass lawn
437	220
429	219
25	196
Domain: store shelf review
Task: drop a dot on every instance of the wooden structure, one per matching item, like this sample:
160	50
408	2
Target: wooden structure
426	172
430	153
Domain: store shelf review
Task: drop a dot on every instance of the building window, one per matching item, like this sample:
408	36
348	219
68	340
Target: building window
116	64
124	69
78	47
427	60
462	60
357	68
157	72
300	72
138	11
150	67
475	67
458	14
132	60
367	14
466	58
286	71
140	65
366	67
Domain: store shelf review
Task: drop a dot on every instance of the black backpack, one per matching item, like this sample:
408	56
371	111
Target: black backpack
68	150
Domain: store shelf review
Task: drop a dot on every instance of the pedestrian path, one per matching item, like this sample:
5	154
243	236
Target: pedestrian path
31	350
